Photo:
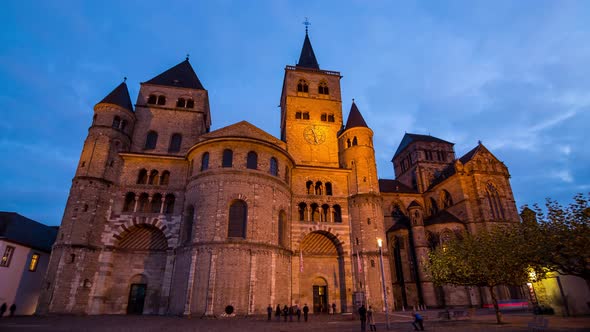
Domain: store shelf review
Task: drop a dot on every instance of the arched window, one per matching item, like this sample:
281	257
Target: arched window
329	188
205	161
297	115
305	115
433	206
319	188
494	202
325	210
323	88
187	229
169	204
315	212
302	86
354	141
336	213
252	160
227	160
153	177
324	117
116	122
180	102
151	140
190	103
274	166
309	186
348	143
238	215
161	100
301	209
152	99
143	204
331	118
142	177
175	142
129	202
282	229
156	203
446	199
165	178
123	125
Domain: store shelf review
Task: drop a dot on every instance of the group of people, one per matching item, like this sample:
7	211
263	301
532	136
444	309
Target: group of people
3	309
366	316
288	312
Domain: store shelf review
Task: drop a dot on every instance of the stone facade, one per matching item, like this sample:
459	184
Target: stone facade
167	217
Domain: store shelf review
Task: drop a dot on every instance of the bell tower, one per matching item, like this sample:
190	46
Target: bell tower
311	111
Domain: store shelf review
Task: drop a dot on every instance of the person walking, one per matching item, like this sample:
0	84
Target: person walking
3	309
333	308
371	319
363	316
305	312
285	312
269	311
278	312
298	313
291	312
418	321
12	309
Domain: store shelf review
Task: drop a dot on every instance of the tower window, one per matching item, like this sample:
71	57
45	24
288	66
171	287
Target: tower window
175	142
153	179
123	125
329	188
331	118
227	159
238	215
337	214
348	143
306	116
129	202
152	99
169	204
142	178
324	117
190	103
323	88
205	161
354	141
302	86
252	160
161	100
180	102
116	122
152	139
165	178
274	166
298	115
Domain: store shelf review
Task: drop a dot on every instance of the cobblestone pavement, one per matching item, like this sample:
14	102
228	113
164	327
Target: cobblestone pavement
483	321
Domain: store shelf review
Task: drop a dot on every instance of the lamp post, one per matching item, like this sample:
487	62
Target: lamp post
380	243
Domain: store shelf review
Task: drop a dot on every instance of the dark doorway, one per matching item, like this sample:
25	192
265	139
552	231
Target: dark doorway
136	299
320	299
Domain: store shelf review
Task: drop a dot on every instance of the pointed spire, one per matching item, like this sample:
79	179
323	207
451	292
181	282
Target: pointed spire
307	58
355	119
182	75
119	96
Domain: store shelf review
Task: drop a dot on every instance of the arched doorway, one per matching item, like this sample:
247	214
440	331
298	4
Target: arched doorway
136	299
322	275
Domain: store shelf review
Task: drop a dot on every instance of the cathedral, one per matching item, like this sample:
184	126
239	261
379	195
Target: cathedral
166	216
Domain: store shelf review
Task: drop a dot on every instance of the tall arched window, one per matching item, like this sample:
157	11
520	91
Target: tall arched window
165	178
151	140
205	161
129	202
153	177
323	88
143	205
274	166
282	229
309	187
169	204
433	206
446	199
302	86
494	202
238	215
348	143
161	100
252	160
227	160
175	142
329	188
187	228
301	209
354	141
116	122
336	213
315	212
156	203
142	177
325	210
319	188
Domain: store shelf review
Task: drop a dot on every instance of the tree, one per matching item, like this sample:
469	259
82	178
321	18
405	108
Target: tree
564	233
486	259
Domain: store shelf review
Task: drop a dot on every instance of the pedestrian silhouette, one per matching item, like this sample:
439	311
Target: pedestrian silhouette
12	309
363	316
418	321
305	311
269	311
3	309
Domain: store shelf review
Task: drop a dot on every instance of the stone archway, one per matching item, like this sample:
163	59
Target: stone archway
322	274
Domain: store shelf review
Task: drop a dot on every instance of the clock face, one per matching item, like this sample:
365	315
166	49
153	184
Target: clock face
314	135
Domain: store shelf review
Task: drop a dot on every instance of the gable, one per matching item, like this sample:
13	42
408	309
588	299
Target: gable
243	129
479	152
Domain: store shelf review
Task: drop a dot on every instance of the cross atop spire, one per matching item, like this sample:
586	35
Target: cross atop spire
307	58
307	24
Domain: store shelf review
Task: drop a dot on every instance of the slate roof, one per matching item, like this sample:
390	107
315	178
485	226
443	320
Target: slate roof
442	217
355	119
182	75
445	174
307	58
411	138
394	186
403	223
25	231
120	97
469	155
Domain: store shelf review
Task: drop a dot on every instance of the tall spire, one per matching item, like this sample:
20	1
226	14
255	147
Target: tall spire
307	58
119	96
355	119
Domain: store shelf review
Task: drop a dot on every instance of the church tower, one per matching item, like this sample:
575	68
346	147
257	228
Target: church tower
311	111
88	204
365	208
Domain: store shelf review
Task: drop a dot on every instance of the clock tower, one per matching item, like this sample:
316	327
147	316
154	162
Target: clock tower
311	111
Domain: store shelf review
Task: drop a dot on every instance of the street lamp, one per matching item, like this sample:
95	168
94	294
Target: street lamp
380	243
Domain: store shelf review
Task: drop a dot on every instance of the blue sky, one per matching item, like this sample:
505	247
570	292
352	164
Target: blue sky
513	74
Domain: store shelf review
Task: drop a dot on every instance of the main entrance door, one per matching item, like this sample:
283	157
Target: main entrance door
320	299
136	299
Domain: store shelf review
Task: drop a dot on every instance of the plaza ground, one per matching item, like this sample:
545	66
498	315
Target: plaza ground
481	321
